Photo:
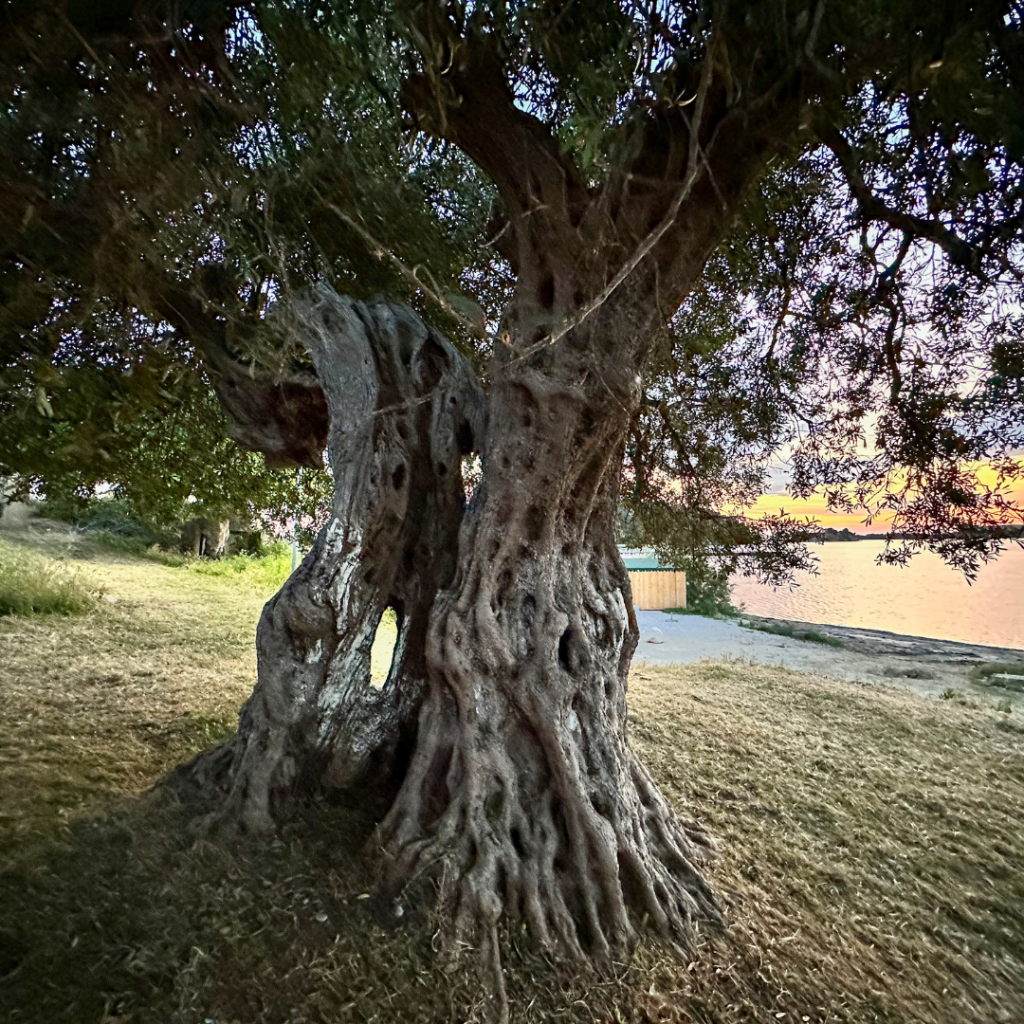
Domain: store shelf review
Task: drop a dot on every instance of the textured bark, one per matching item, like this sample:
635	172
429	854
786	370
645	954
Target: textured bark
403	403
523	784
498	749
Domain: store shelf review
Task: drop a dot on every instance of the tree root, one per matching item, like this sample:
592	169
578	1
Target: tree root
587	858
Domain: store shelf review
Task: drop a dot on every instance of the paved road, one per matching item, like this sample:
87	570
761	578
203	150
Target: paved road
867	655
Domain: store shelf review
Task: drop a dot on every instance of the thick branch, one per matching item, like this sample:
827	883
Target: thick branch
470	104
960	252
283	416
404	405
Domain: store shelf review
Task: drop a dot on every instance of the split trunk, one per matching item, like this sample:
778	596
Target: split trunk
496	756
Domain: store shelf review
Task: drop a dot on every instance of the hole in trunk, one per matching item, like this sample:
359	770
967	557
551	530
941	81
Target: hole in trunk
464	437
629	881
437	796
517	841
382	652
398	476
563	650
535	523
546	292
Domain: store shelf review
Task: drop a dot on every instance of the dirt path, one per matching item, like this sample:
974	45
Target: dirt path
921	665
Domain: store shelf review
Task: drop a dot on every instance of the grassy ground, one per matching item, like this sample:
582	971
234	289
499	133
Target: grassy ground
871	857
31	584
785	629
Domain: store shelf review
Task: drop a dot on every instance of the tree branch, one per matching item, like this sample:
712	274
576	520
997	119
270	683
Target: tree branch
655	235
959	251
284	416
469	103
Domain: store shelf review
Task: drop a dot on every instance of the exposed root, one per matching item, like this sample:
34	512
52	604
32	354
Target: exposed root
513	827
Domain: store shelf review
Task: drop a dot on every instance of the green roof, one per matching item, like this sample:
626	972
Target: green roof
642	559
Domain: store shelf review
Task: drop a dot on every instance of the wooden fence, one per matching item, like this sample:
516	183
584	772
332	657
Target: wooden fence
657	589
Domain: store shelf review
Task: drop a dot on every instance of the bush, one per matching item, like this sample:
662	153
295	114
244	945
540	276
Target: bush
33	585
813	636
136	547
708	597
984	674
109	523
112	516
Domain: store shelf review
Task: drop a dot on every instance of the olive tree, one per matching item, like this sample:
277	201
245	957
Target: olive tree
661	240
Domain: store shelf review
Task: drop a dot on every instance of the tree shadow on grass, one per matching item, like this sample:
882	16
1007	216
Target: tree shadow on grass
88	928
139	916
111	923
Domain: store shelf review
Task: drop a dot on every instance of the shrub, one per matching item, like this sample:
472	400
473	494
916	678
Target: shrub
813	636
708	597
112	515
984	674
33	585
110	524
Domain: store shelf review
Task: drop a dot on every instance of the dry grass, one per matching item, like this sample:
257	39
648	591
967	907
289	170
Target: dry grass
100	705
870	849
31	584
870	843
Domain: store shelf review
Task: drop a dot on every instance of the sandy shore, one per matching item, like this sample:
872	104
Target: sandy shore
915	663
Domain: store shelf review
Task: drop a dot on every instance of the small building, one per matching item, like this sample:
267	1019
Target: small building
655	586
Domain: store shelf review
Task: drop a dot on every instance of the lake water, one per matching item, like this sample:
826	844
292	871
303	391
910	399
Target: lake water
926	598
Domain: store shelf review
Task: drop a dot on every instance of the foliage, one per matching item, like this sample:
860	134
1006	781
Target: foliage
164	463
862	314
986	673
106	515
31	584
709	597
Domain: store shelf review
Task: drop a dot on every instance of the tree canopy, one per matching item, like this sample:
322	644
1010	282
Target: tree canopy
171	173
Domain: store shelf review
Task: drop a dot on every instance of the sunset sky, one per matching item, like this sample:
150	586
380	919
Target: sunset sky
814	507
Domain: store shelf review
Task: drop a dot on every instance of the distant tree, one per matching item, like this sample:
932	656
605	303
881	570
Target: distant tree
665	240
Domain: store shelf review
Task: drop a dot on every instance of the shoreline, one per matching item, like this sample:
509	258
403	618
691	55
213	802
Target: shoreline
923	665
884	641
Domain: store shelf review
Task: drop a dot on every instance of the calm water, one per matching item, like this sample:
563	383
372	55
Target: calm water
926	598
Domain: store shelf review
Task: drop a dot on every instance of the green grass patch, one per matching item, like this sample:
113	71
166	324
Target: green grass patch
270	568
813	636
985	674
136	547
31	584
707	611
267	570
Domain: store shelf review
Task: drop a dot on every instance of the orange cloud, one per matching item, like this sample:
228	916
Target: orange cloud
814	507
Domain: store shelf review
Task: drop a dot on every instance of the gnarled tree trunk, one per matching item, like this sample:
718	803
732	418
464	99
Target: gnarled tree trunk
498	749
403	404
523	778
